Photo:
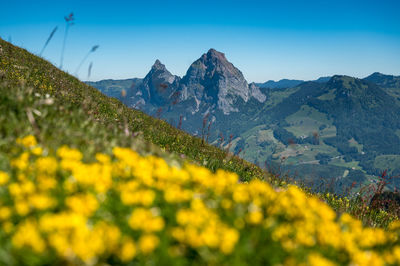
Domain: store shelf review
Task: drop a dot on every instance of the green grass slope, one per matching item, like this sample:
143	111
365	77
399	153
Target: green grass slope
81	116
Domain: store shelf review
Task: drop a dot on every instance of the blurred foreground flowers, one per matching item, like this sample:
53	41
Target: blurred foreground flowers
123	208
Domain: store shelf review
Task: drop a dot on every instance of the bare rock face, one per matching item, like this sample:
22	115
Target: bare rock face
211	84
256	93
158	85
213	80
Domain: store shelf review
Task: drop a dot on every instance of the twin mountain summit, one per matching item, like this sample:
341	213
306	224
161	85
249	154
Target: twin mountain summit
337	131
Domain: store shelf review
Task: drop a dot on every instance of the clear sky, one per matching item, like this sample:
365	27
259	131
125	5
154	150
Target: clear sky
264	39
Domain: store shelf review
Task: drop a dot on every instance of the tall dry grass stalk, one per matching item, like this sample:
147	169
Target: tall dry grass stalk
69	22
89	70
94	48
48	40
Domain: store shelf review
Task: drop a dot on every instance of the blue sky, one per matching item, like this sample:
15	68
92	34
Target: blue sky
264	39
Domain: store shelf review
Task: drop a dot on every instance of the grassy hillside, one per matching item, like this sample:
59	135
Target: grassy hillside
86	181
75	102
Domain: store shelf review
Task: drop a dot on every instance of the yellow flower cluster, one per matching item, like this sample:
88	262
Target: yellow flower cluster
128	207
29	141
200	226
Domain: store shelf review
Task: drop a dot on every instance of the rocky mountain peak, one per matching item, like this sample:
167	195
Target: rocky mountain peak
158	65
160	73
158	85
213	80
212	53
216	61
256	93
211	83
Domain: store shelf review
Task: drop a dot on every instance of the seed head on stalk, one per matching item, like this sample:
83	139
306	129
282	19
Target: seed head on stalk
48	40
94	48
69	21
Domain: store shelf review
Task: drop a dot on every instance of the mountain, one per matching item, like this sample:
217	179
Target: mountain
359	110
365	112
390	83
283	83
323	79
288	83
256	92
212	87
210	96
350	122
157	87
385	81
211	83
215	82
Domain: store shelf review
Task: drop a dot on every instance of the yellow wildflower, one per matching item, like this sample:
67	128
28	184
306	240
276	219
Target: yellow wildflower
103	158
47	165
67	153
85	204
146	220
28	235
4	177
147	243
229	239
28	141
255	217
21	163
5	213
128	250
315	259
41	201
7	227
37	151
22	208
